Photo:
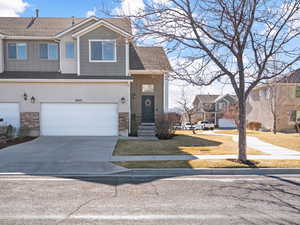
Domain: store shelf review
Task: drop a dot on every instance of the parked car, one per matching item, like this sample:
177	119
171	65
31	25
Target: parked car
204	125
177	126
187	126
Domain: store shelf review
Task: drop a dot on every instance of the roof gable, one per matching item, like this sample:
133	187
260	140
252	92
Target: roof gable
99	24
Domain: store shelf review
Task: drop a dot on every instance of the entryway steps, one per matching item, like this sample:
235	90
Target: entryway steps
147	130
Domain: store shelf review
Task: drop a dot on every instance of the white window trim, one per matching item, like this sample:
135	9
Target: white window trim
103	40
66	54
17	51
48	51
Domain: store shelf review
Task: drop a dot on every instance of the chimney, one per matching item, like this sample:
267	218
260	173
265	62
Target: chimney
37	13
73	21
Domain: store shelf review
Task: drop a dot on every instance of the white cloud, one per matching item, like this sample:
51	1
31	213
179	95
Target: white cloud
11	8
130	7
91	12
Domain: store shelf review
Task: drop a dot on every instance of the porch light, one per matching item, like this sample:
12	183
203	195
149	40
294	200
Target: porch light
32	100
123	100
25	96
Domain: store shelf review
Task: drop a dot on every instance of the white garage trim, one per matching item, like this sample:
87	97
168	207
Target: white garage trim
79	119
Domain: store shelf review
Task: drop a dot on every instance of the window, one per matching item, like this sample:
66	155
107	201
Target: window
17	51
49	51
102	50
70	50
147	88
265	93
295	116
297	92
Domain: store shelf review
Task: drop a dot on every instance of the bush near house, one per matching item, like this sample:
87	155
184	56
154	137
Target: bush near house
164	127
254	125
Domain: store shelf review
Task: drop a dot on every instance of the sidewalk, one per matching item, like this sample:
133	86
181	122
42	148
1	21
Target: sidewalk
192	157
254	142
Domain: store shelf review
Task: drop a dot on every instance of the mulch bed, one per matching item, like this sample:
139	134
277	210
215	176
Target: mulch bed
16	141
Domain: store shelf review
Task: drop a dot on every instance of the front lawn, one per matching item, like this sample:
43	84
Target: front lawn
291	141
185	142
211	163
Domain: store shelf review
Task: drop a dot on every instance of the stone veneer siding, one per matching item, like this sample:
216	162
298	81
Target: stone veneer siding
123	121
30	120
30	124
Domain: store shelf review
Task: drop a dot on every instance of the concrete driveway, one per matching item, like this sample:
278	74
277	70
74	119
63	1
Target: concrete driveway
61	155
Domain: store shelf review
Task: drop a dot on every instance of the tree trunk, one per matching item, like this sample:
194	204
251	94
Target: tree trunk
242	132
275	125
190	120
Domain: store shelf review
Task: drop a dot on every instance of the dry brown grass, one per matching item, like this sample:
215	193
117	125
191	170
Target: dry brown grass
218	163
185	142
291	141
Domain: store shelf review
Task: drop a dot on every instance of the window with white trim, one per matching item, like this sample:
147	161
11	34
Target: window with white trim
49	51
69	50
17	51
102	50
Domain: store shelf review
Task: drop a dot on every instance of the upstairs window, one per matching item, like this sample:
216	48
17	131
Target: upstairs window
49	51
297	92
17	51
70	50
102	50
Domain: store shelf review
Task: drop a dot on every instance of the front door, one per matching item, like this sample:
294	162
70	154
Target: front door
148	109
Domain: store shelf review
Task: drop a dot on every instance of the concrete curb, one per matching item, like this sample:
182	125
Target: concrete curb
171	172
214	171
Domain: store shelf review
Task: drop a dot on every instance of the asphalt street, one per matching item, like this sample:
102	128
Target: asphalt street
182	200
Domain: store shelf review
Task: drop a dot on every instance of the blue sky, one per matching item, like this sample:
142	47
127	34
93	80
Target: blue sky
62	8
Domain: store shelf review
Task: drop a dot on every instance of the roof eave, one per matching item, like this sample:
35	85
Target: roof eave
9	37
152	72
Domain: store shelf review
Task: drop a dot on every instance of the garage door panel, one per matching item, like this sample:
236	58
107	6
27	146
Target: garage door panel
79	119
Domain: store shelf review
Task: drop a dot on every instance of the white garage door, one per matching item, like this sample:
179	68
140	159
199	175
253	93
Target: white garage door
10	114
79	119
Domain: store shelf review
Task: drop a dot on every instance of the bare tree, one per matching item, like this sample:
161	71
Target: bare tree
187	108
230	41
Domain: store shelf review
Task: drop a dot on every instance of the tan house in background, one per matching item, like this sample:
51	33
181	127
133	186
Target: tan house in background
213	108
277	102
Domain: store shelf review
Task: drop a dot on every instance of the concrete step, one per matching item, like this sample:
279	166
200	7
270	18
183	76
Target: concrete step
146	132
148	124
143	127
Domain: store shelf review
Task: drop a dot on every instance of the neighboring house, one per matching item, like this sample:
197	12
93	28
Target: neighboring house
212	108
280	99
78	76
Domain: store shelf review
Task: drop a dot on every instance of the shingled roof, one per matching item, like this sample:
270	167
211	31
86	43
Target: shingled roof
48	27
148	58
207	98
292	77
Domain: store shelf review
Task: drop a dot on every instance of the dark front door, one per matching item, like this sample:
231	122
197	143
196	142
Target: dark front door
148	109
